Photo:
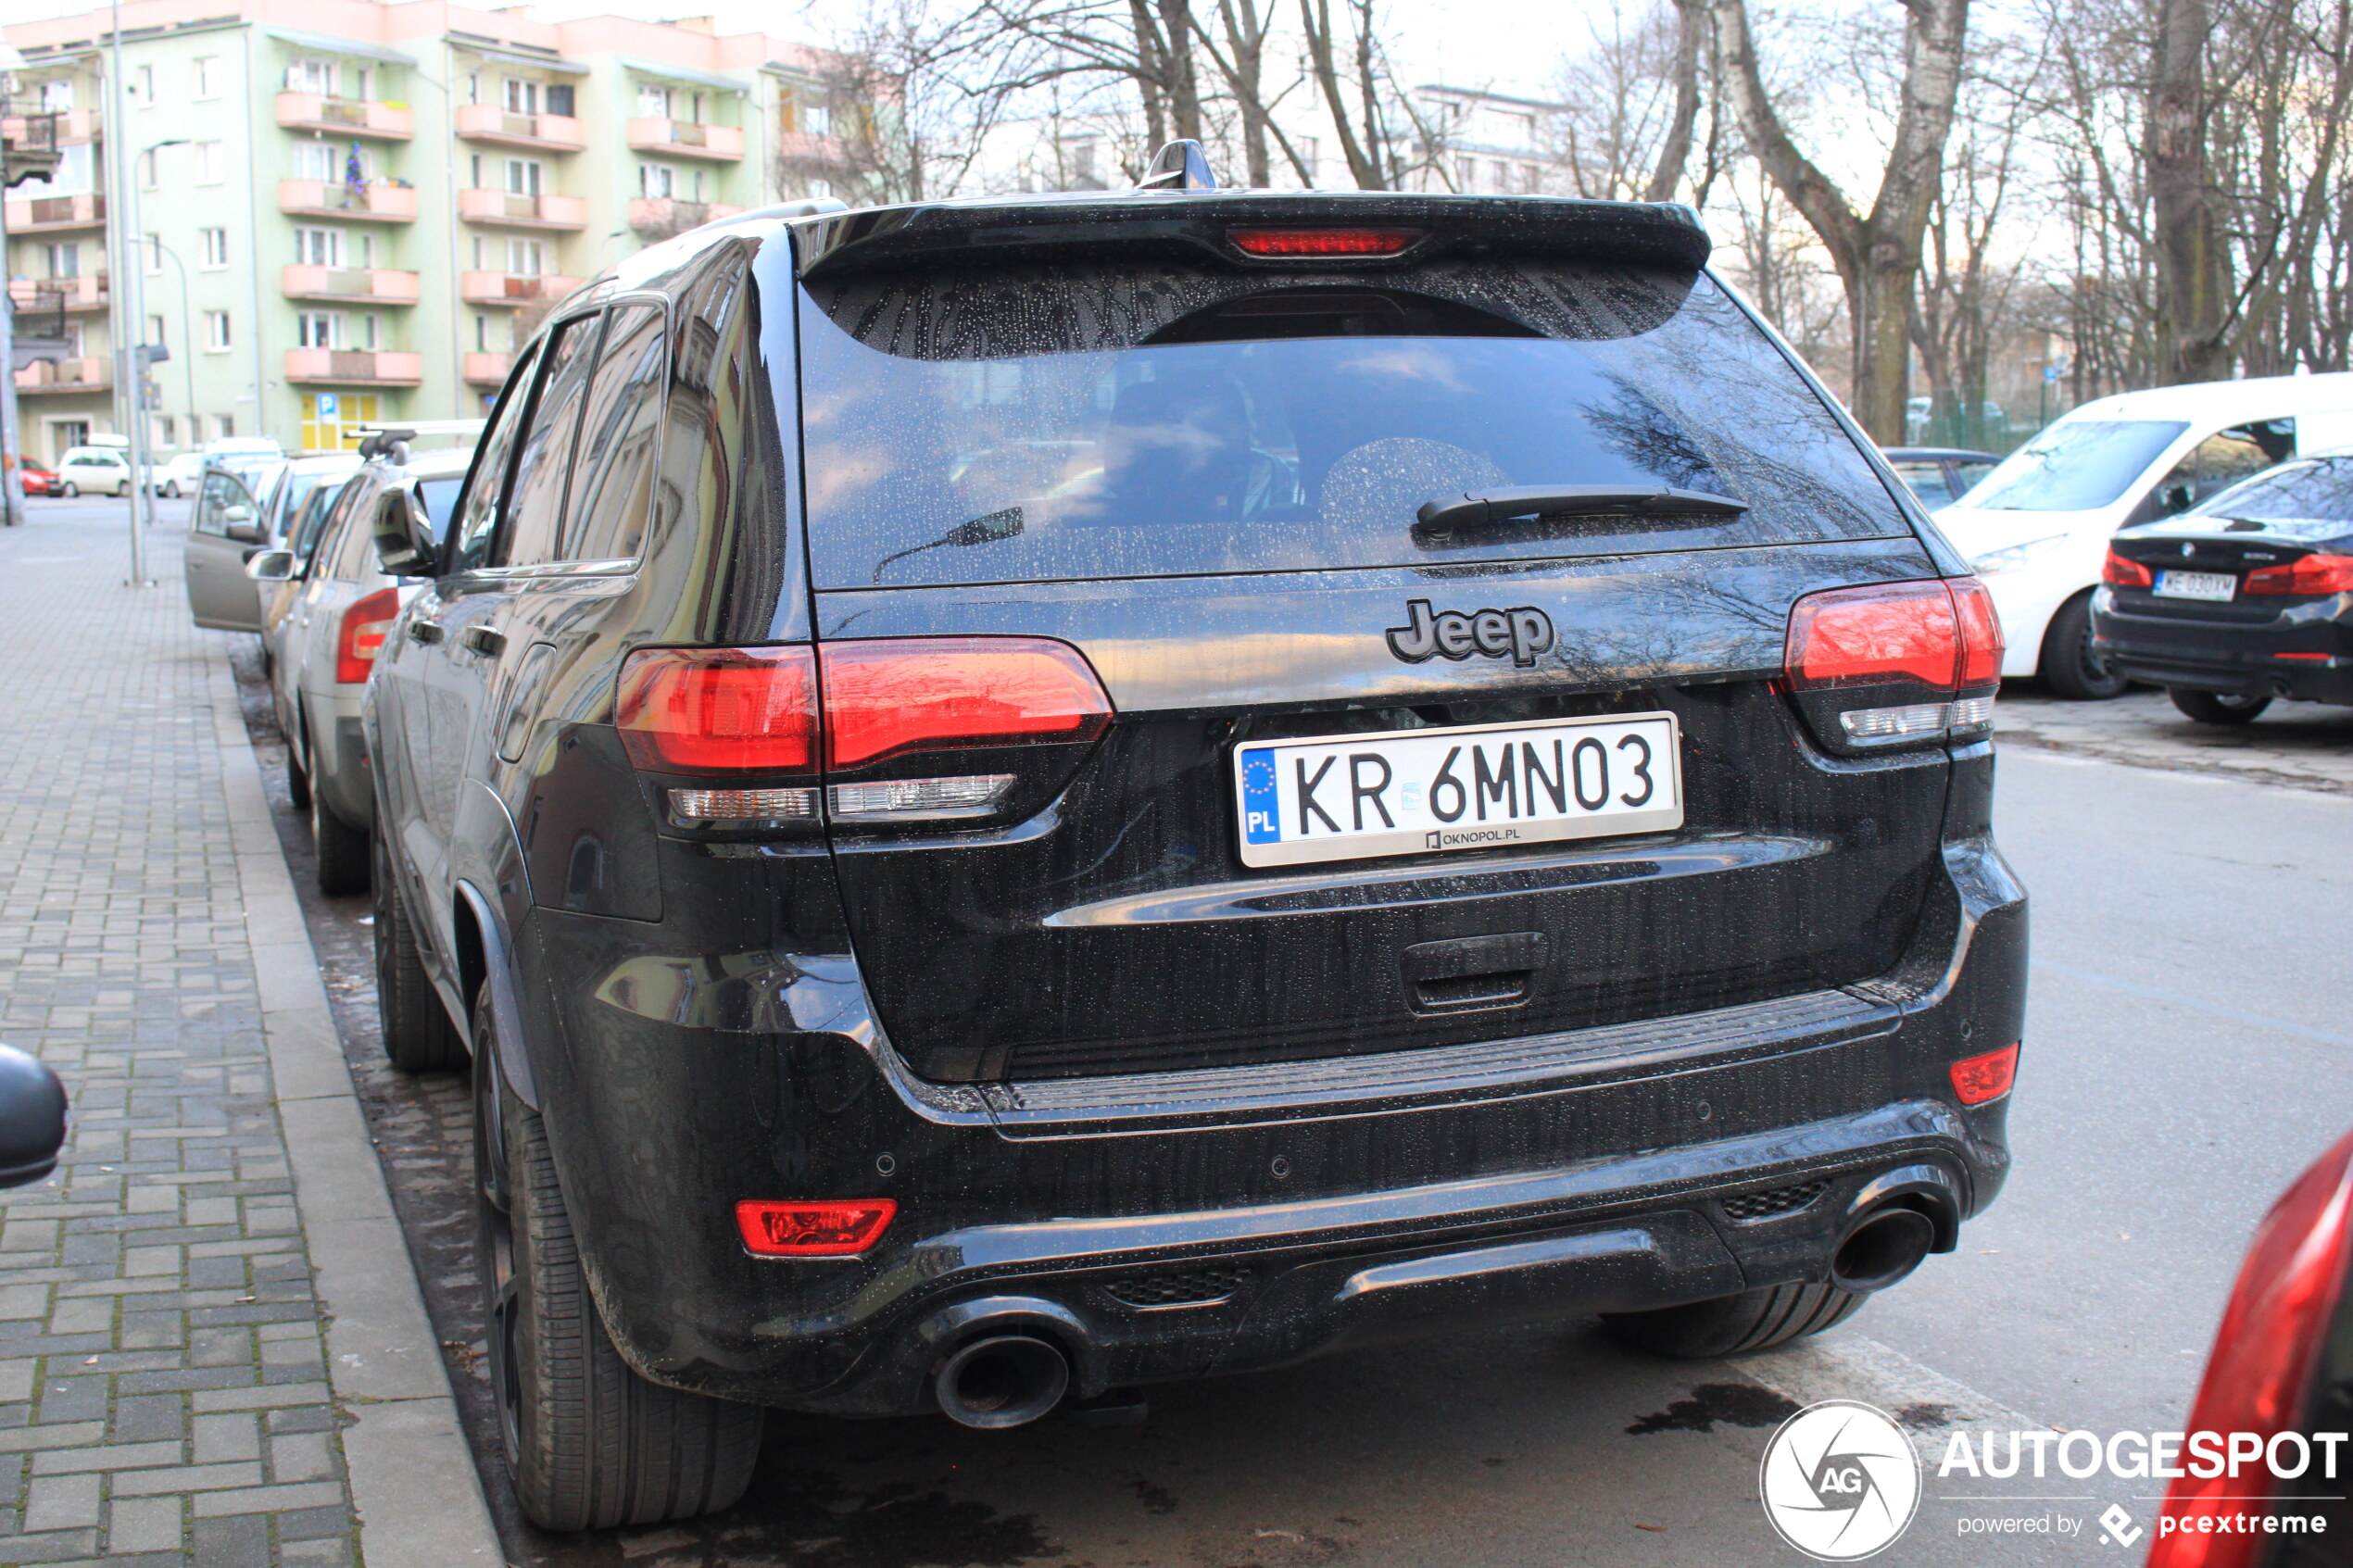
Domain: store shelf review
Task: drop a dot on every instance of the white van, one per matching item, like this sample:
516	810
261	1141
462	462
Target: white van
2037	527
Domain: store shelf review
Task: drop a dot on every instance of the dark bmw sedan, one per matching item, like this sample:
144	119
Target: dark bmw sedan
1020	798
2245	599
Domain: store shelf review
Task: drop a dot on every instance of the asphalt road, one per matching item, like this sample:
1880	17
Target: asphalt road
2185	1058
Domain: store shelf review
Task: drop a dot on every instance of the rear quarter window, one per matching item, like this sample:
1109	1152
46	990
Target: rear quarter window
1057	421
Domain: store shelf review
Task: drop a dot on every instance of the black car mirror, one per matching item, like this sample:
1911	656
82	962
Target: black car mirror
33	1118
272	565
405	542
243	532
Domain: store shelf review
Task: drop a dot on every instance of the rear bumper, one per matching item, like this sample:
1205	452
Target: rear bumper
1171	1225
2304	654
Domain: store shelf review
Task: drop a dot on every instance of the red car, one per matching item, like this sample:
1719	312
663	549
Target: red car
39	481
2275	1407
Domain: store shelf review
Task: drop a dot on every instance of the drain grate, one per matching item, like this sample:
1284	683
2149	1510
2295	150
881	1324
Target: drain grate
1773	1201
1191	1287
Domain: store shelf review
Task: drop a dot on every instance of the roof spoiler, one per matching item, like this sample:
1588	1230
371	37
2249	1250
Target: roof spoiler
1196	224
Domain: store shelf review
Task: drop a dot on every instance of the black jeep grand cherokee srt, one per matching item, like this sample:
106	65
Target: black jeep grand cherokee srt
1018	798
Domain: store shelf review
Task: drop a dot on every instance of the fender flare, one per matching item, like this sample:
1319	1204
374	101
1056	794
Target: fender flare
506	1006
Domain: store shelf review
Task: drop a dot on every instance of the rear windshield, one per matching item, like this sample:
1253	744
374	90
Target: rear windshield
2075	466
2311	500
1029	423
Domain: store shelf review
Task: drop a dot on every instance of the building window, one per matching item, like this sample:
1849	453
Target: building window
224	426
212	244
820	188
167	429
523	176
653	103
369	326
560	98
155	329
143	86
212	163
482	335
147	161
318	247
151	253
523	98
316	329
65	261
526	258
656	179
56	95
208	76
216	333
311	76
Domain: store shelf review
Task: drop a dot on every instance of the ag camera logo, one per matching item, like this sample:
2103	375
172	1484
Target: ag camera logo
1839	1481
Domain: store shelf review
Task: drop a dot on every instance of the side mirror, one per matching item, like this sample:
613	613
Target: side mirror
405	542
243	532
272	565
33	1118
235	513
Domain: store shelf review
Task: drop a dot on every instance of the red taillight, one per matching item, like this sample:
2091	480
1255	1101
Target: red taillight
1322	242
2308	574
1977	1079
1981	627
934	693
833	1229
2263	1362
1873	635
360	635
716	710
2125	574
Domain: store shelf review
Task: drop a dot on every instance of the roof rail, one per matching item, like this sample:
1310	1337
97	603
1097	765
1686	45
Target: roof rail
1180	166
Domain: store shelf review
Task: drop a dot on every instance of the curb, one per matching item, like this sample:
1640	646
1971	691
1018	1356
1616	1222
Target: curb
413	1483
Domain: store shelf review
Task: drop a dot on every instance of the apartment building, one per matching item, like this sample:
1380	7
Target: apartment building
346	212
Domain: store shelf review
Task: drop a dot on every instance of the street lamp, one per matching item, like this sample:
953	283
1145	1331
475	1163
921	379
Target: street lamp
137	282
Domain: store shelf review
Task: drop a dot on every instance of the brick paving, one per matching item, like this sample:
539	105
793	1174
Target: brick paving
164	1397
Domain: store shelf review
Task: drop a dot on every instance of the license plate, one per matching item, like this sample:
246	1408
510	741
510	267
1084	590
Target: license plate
2219	587
1476	787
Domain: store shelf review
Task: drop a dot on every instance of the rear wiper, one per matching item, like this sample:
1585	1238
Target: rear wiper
1449	514
987	529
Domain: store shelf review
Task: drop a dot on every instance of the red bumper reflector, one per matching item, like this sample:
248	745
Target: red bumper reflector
1977	1079
1322	242
834	1229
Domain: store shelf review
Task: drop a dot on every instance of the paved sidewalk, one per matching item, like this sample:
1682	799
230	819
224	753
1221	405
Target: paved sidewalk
211	1346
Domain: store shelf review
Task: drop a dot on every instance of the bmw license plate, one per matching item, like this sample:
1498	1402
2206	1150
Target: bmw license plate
2216	587
1478	786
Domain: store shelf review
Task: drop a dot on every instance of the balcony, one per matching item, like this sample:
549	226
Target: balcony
352	285
54	127
486	370
32	296
510	211
543	132
38	215
658	217
513	288
380	202
64	375
345	117
680	138
354	367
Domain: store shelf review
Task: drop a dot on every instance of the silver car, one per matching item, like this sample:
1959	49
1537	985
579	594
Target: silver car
245	503
326	624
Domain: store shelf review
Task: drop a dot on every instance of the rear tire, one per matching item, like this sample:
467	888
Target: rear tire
297	782
416	1031
2069	662
589	1444
1735	1325
2218	708
343	851
71	491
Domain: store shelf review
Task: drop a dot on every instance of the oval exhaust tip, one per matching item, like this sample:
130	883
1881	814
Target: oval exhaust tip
1882	1249
1006	1380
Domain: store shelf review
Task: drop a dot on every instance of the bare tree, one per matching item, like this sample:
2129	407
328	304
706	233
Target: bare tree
1877	253
1351	70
